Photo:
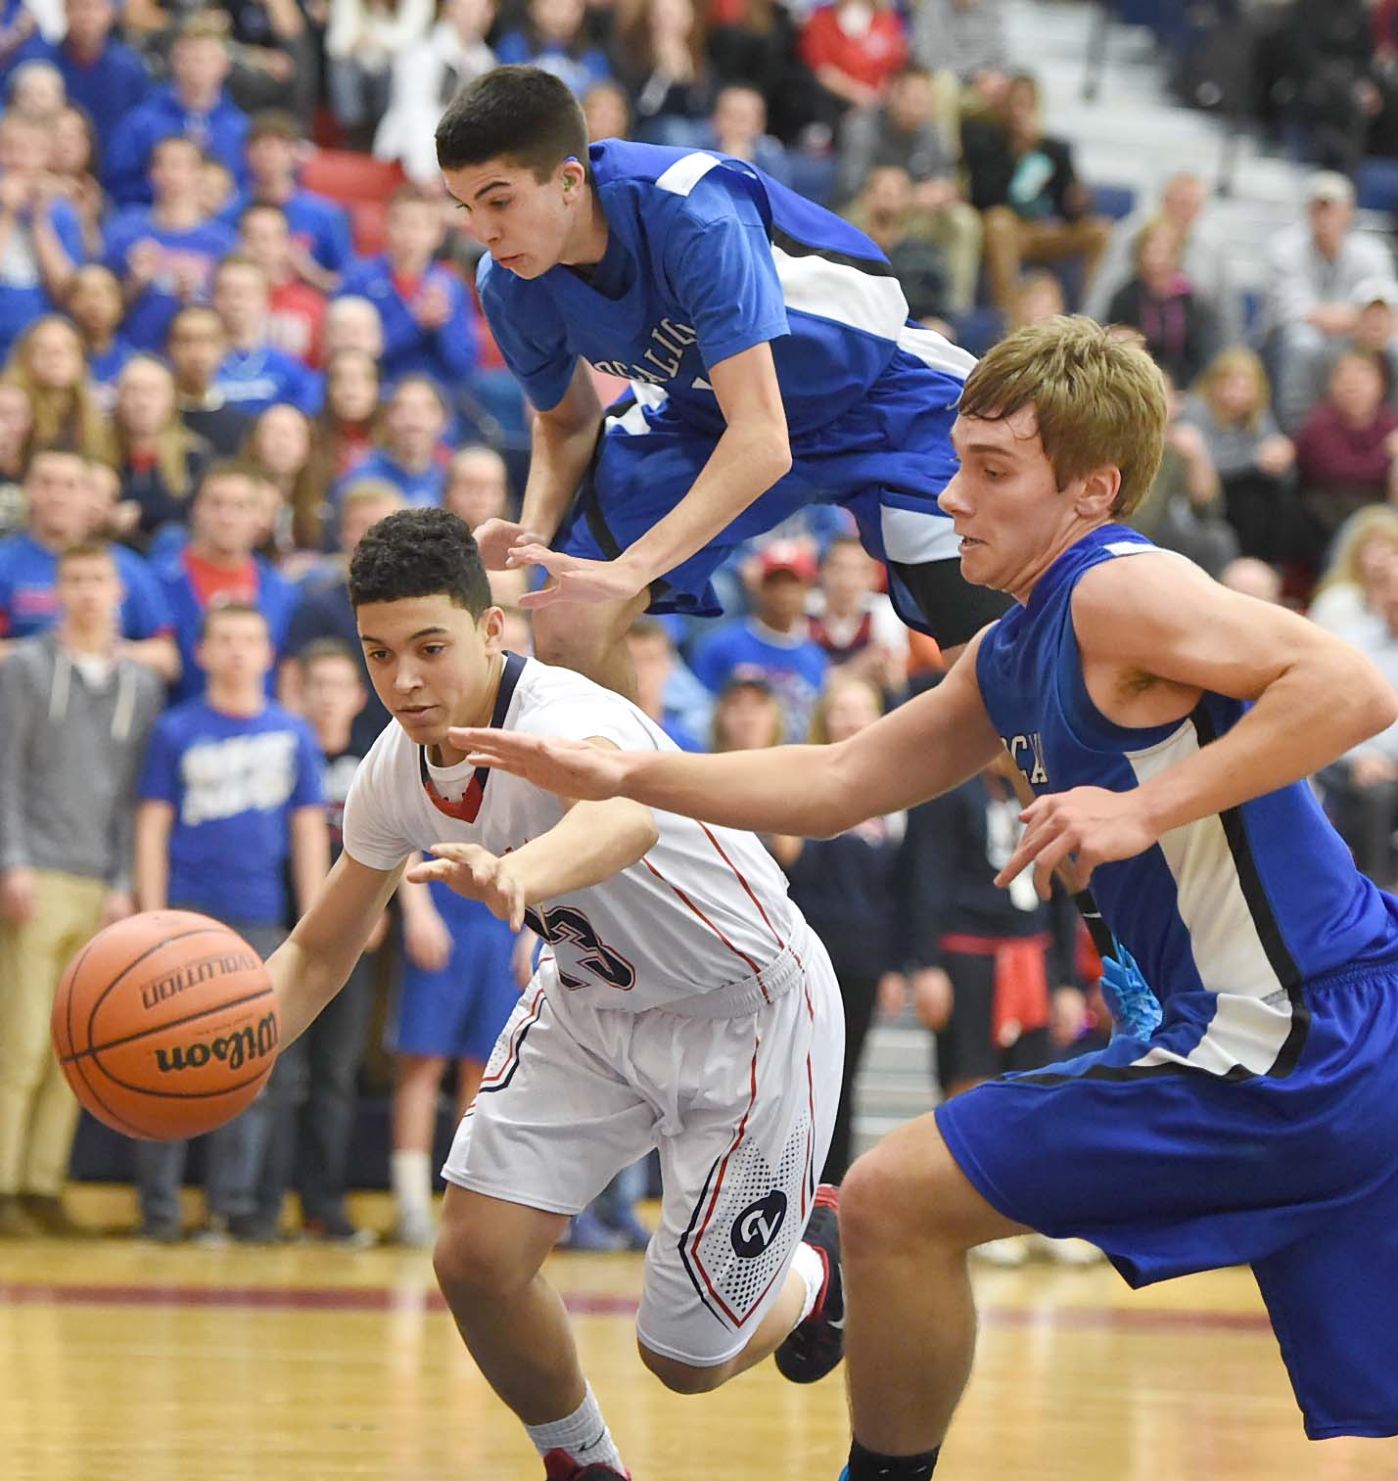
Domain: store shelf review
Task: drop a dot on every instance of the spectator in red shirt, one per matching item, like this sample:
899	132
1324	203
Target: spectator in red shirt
855	48
1347	450
296	320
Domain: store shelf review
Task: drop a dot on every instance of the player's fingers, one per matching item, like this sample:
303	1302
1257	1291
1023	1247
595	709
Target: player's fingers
460	853
534	553
546	596
432	869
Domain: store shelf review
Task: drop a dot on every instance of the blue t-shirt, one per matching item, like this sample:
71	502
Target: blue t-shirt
253	380
29	596
23	297
234	782
793	668
317	225
107	88
1249	904
221	133
276	600
579	72
197	251
422	490
448	354
105	366
707	257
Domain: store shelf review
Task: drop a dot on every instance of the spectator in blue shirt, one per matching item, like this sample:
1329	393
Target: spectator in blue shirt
320	228
96	307
411	458
231	803
655	663
429	317
165	254
41	241
774	644
553	36
193	106
104	77
255	374
218	567
59	515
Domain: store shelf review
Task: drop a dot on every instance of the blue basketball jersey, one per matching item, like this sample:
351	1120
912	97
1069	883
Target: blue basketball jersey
1228	916
707	257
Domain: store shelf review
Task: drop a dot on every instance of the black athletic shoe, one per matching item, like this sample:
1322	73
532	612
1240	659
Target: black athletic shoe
817	1345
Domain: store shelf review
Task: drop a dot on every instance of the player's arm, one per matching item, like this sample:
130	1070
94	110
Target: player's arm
592	842
752	453
1155	620
313	963
922	749
562	443
151	873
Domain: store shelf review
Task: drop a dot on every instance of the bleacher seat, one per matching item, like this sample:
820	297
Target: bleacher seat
347	177
1116	202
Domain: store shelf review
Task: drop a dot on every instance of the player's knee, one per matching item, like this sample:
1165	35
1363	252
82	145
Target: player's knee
682	1378
885	1205
469	1259
566	645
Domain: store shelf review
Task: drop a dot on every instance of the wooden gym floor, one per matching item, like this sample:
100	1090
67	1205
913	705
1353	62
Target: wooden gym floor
121	1361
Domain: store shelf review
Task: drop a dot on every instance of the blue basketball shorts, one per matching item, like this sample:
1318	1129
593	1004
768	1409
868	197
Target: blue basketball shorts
458	1013
885	460
1172	1170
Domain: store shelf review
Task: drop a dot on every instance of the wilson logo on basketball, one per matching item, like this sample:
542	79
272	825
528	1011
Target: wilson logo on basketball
235	1049
196	972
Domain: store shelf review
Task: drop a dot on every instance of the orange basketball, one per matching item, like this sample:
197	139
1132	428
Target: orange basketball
166	1024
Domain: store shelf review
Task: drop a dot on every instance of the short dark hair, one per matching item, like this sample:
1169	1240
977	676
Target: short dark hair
516	113
222	468
419	553
230	609
276	123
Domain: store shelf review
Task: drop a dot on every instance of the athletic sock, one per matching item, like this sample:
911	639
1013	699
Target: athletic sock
807	1263
867	1465
583	1435
410	1174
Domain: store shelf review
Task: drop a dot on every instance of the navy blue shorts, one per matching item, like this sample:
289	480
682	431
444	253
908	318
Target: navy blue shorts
458	1013
1173	1170
885	460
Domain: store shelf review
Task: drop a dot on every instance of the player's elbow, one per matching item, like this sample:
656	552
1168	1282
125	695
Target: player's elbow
1375	704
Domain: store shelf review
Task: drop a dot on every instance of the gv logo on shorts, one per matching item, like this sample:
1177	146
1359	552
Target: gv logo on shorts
758	1225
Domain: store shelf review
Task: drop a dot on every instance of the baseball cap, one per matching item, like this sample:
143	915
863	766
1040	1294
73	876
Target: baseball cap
787	555
1329	185
1375	290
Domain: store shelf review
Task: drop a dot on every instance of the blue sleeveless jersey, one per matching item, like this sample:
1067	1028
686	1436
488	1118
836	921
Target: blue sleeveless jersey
707	257
1228	916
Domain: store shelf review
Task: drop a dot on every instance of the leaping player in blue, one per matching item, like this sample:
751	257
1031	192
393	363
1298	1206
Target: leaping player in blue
1168	726
770	352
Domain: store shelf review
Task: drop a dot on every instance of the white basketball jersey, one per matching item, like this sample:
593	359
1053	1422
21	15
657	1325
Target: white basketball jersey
705	909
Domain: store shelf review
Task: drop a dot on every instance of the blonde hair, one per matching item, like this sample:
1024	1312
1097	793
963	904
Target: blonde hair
1356	532
820	721
1226	362
70	418
1098	402
173	443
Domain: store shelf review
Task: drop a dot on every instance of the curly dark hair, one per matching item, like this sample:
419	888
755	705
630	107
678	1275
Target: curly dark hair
419	553
517	113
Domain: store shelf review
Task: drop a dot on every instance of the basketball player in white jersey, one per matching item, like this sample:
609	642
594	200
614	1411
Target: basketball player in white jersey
680	1002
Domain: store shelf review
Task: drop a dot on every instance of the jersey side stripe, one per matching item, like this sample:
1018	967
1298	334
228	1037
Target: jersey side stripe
736	950
742	880
936	351
1230	929
815	284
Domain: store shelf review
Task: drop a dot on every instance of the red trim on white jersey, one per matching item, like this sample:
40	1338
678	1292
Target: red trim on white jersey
746	886
737	951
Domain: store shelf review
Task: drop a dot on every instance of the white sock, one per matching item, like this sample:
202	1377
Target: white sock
584	1435
410	1173
806	1262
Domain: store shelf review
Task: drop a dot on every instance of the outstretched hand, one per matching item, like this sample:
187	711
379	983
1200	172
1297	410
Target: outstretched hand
567	768
574	578
476	874
1086	826
496	538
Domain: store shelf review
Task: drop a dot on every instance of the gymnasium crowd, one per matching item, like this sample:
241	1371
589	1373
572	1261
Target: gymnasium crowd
224	359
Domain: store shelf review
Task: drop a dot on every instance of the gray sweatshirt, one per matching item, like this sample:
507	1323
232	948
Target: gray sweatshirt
69	755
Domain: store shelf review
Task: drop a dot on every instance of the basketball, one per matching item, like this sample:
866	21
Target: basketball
165	1025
